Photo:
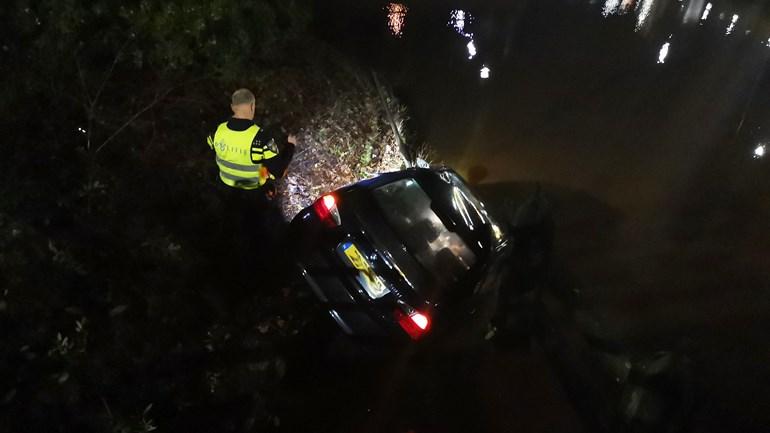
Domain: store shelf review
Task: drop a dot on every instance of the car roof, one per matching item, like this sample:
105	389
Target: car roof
439	190
414	172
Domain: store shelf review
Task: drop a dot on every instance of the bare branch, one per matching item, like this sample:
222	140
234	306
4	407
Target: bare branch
109	72
134	117
391	121
106	407
89	107
158	98
83	81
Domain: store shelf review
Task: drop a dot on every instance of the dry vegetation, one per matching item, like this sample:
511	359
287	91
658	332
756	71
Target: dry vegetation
129	297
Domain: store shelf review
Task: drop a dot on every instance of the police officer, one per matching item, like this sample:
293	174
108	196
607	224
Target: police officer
247	155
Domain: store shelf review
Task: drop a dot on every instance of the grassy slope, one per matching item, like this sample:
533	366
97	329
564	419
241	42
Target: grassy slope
143	284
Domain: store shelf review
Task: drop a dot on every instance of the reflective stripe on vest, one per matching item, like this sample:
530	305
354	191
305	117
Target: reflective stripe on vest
234	166
233	149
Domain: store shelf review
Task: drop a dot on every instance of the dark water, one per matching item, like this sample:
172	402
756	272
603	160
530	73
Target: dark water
646	122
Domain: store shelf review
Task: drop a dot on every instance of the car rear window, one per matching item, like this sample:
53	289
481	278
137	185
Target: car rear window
407	209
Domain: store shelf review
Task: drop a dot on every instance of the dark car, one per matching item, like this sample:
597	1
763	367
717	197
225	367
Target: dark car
410	253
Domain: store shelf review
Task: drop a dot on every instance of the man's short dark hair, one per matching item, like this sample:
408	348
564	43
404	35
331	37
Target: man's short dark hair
243	96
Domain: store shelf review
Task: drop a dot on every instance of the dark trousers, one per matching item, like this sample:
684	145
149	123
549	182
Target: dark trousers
253	223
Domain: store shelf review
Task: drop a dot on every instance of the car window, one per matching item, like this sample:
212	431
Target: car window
470	208
407	209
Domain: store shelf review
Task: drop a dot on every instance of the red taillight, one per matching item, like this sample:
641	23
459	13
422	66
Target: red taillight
420	320
326	209
415	324
329	202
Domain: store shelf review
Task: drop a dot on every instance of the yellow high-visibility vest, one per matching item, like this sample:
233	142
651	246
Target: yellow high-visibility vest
239	161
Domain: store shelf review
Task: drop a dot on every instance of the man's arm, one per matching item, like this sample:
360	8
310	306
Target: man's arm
263	147
266	151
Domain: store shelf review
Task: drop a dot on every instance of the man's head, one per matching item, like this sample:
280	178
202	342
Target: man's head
243	104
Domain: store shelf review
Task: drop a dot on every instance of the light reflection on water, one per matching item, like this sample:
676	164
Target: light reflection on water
663	52
689	11
471	49
655	18
611	7
731	27
759	152
706	12
459	20
396	18
693	12
627	5
646	12
644	7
